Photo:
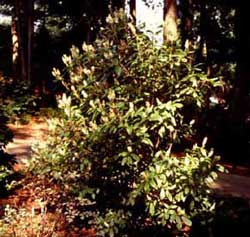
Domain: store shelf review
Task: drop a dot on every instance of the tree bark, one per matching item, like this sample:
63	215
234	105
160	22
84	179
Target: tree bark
187	23
206	38
239	112
21	51
170	21
15	47
242	80
30	23
22	31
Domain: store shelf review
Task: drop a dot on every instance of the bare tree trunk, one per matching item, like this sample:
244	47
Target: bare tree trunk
18	14
202	55
22	39
170	21
239	112
242	80
30	39
187	23
15	47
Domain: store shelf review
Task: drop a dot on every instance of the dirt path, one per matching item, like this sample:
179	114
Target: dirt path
231	184
24	137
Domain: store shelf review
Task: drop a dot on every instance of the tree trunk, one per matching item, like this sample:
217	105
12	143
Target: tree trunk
19	27
187	23
30	24
239	113
22	39
15	47
242	80
170	21
206	38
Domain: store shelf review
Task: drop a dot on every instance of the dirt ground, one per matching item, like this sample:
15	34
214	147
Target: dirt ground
24	137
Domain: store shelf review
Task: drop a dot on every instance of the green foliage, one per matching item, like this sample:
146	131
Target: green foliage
5	133
6	136
5	159
129	106
17	100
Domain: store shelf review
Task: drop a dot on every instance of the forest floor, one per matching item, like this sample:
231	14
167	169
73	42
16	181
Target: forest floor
25	136
236	183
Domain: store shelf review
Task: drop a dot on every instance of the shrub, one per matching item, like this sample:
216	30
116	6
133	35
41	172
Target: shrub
6	160
119	147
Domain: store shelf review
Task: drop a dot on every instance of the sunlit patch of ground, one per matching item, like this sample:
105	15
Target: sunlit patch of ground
24	137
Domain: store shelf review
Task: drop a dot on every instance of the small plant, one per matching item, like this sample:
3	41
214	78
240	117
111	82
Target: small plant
119	148
22	222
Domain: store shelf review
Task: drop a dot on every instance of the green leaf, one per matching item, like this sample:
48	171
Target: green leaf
158	154
169	196
203	152
129	130
162	131
155	117
163	178
118	70
142	130
220	168
135	157
147	141
209	180
186	190
178	222
186	221
170	128
214	175
151	208
153	183
162	194
146	187
178	105
192	205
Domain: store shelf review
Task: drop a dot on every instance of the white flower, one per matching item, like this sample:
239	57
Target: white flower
56	72
86	71
109	19
67	60
88	47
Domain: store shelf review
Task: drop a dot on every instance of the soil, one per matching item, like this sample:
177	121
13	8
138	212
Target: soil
26	135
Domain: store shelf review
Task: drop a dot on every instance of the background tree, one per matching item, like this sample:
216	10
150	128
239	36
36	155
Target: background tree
170	21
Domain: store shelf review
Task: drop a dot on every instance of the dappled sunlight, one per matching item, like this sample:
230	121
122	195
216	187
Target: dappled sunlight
26	135
232	185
